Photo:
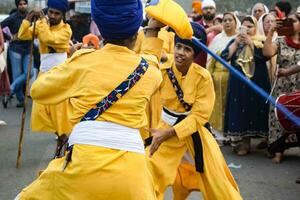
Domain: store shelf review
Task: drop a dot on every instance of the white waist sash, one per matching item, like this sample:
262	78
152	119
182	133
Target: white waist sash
107	134
49	60
171	119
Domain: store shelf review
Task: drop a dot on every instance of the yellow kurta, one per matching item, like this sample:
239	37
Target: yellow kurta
154	107
220	77
216	182
49	118
96	172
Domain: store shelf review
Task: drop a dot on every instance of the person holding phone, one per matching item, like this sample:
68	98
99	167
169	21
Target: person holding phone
219	73
246	113
287	49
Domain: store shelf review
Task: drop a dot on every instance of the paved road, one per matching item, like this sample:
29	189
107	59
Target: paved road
258	179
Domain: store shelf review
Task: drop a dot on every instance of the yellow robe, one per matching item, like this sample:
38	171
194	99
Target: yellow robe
154	107
220	77
49	118
216	182
96	172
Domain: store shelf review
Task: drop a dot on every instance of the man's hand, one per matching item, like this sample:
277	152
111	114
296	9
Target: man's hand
153	28
159	136
35	14
74	47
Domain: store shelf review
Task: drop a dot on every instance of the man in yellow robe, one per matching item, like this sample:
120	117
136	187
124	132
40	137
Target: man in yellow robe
53	35
188	96
106	157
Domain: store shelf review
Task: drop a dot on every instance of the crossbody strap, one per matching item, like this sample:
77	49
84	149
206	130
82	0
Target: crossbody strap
178	89
117	93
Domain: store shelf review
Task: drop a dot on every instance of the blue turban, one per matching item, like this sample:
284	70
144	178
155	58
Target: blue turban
61	5
117	19
199	33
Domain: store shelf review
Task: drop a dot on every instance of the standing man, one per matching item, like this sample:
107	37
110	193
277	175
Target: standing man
18	50
259	9
106	158
54	36
182	142
208	15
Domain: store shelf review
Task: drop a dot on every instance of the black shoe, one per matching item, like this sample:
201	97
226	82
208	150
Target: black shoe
5	102
298	180
20	105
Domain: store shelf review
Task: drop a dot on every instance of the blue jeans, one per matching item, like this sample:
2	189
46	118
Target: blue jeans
19	65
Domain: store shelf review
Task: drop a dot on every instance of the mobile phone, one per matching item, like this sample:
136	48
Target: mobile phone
243	30
286	27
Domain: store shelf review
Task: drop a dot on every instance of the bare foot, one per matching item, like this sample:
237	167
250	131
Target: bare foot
277	159
262	145
242	152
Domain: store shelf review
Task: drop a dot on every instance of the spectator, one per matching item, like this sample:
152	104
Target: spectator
219	73
287	49
245	55
284	7
258	10
80	26
2	68
90	41
207	21
264	25
18	51
196	14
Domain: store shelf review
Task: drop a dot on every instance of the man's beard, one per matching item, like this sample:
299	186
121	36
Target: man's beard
209	17
197	18
22	11
54	22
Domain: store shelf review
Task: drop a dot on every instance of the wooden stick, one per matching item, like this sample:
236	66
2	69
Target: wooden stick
25	97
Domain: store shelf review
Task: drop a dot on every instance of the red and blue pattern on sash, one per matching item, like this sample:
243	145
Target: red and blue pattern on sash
118	92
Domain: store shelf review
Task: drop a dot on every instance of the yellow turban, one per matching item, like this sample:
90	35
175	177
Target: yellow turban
166	11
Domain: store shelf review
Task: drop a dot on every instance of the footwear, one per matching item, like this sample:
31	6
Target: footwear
20	105
5	102
298	180
2	123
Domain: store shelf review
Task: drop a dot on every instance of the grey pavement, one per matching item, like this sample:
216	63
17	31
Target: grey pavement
257	177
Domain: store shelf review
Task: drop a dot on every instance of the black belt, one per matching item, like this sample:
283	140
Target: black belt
198	148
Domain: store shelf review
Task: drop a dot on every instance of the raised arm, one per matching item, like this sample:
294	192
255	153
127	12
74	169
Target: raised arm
55	39
270	48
